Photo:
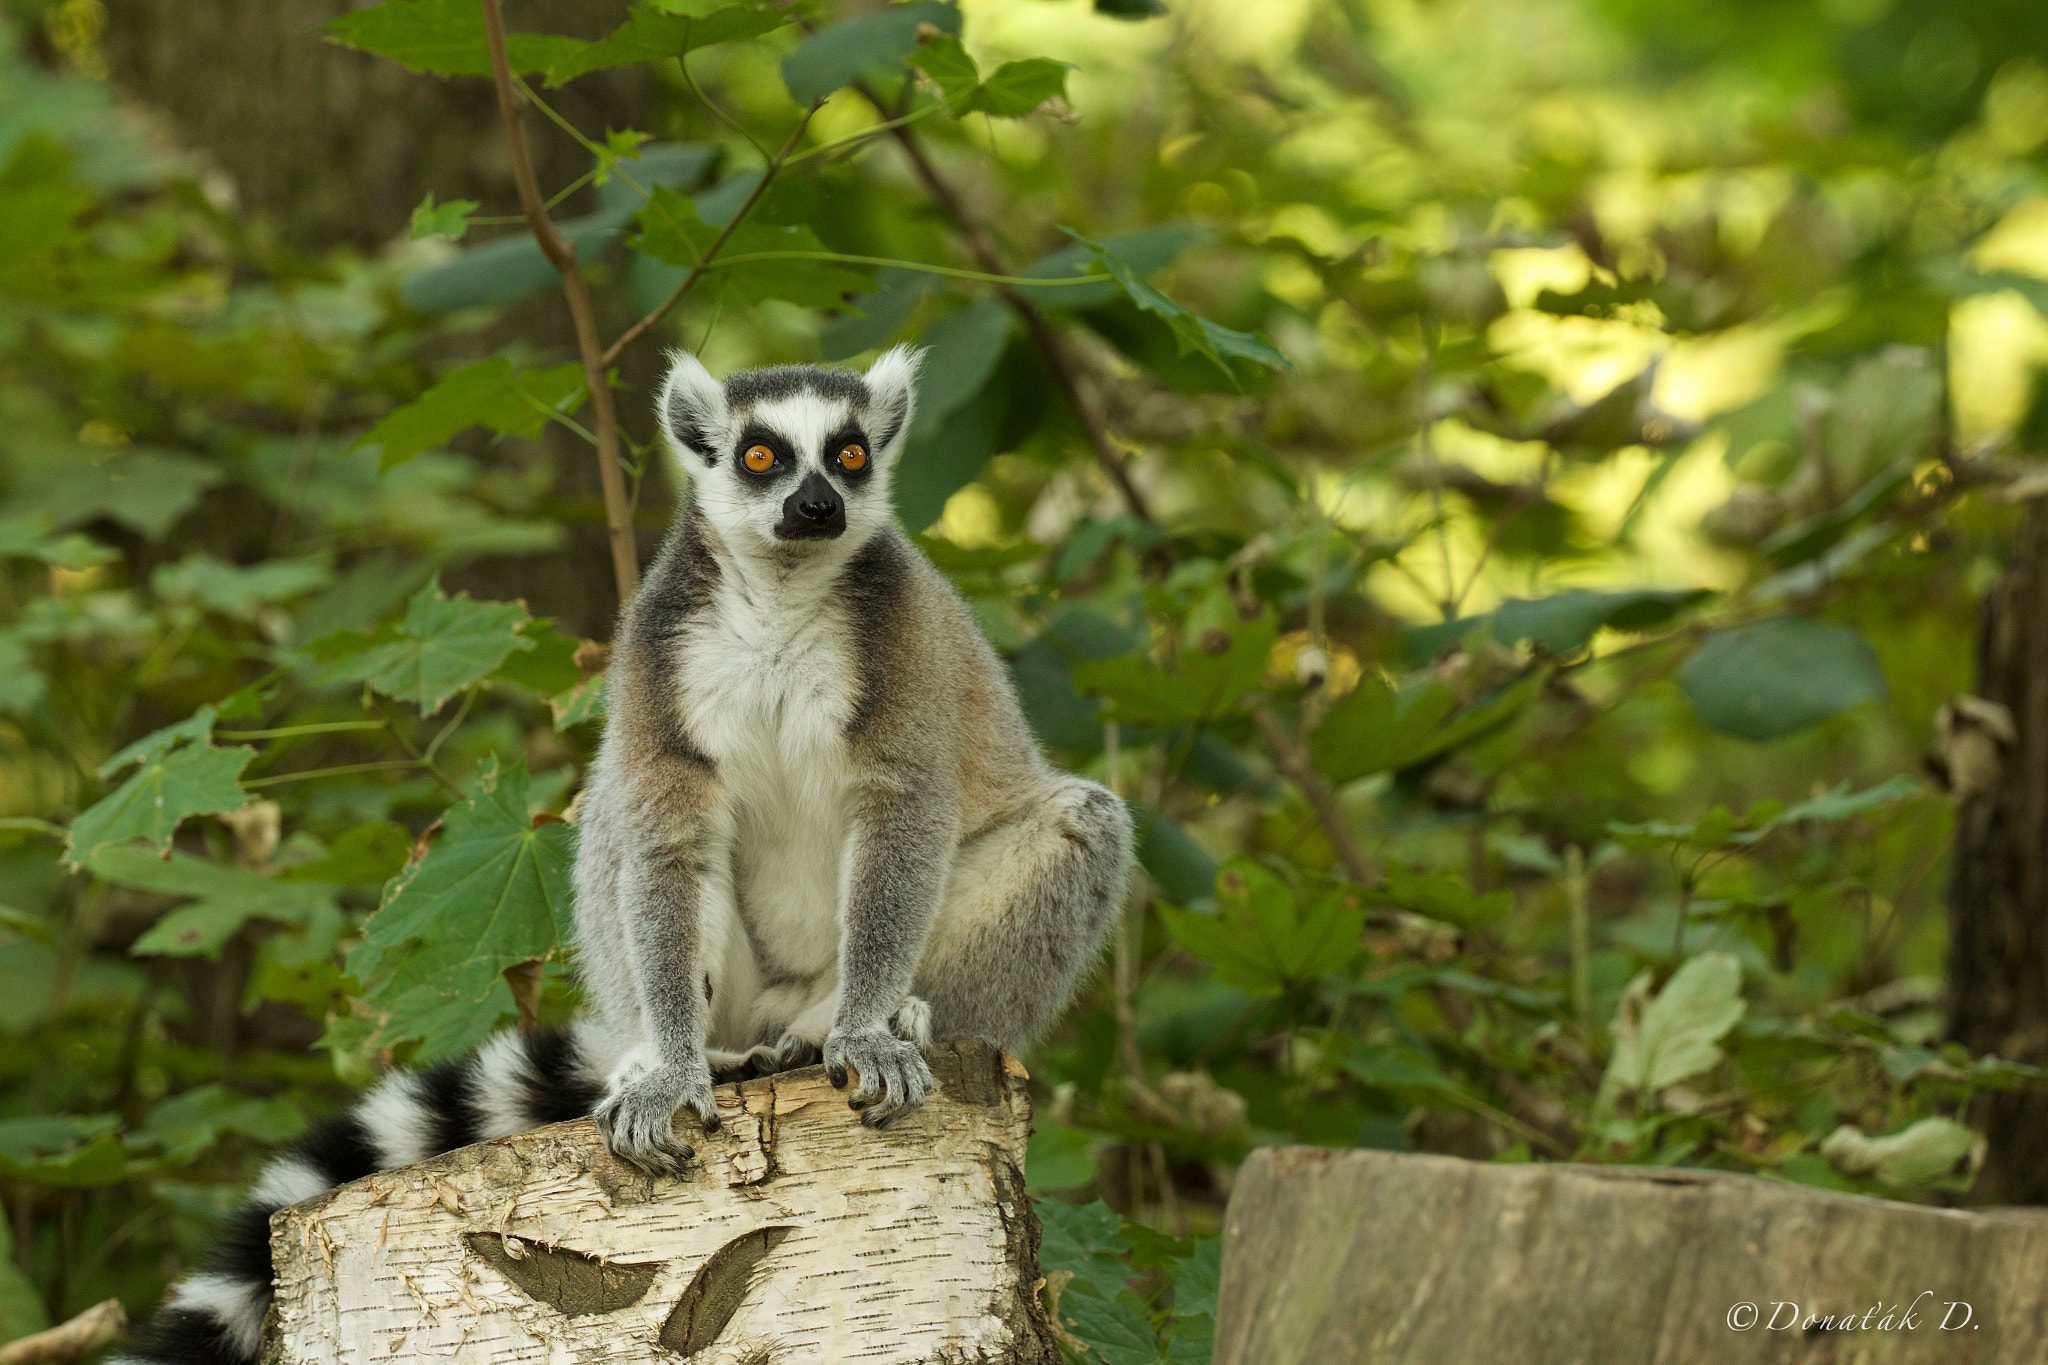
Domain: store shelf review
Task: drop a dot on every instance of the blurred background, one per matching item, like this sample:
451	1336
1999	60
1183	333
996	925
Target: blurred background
1567	600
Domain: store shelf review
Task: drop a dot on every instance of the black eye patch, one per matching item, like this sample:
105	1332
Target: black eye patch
756	435
849	435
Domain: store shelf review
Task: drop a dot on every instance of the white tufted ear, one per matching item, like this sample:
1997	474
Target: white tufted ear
692	407
892	394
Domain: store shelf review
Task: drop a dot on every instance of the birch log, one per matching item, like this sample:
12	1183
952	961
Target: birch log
1343	1258
798	1234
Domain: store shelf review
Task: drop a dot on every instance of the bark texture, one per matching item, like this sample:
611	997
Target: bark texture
1339	1258
334	145
1998	891
799	1234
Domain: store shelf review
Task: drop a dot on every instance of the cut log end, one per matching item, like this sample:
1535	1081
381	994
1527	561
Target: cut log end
798	1234
1345	1258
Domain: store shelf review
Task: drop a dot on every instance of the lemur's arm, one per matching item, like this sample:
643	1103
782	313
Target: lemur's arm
905	829
666	877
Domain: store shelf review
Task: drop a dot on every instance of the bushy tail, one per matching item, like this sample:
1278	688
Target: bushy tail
512	1084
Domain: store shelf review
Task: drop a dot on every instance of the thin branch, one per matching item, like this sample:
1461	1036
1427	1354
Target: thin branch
727	119
1042	331
1293	760
640	328
873	131
618	514
921	267
68	1341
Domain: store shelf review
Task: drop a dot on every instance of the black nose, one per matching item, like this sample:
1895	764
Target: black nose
814	512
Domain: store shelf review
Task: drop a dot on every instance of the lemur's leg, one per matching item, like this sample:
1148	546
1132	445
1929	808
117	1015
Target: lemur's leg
1027	908
674	899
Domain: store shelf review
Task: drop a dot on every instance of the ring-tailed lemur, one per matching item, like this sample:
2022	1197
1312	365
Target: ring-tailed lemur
818	828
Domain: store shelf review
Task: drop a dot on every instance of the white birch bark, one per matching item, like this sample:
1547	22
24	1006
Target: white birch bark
797	1235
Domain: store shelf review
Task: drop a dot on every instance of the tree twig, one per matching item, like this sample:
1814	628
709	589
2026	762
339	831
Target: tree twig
617	512
1042	332
68	1341
1294	761
640	328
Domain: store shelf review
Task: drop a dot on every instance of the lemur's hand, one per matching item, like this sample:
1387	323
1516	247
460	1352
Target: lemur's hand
637	1118
893	1076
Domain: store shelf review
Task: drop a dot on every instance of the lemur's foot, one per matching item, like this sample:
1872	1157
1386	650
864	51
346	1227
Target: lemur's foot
912	1021
786	1054
637	1119
892	1073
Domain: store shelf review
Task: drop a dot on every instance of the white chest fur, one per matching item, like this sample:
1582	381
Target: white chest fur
768	683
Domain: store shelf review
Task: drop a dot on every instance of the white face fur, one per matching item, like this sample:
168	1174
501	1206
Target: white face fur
791	463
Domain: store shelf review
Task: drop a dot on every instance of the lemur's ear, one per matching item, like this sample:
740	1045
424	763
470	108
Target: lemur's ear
692	407
892	394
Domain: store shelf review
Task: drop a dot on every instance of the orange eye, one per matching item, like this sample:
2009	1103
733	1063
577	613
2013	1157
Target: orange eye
758	458
852	456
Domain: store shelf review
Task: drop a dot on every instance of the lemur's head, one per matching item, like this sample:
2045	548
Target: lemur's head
794	457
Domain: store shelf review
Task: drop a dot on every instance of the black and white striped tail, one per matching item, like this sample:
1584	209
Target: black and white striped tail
512	1084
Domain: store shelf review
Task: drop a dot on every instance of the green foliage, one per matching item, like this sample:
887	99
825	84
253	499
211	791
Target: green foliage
1778	676
1261	940
441	646
492	892
487	393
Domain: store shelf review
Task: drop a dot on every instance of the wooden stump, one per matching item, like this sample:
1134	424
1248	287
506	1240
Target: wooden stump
797	1235
1340	1258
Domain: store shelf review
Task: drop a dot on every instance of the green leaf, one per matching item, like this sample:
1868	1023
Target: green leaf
1765	680
184	1126
1182	867
1193	334
956	429
197	779
1843	804
1261	939
27	537
509	268
491	892
1057	1158
367	855
146	491
443	645
947	63
442	37
651	35
63	1149
672	230
235	589
442	220
1920	1155
1378	729
549	667
1662	1041
1119	1333
1132	9
487	393
1195	1279
223	899
1086	1239
1445	897
22	685
583	702
1015	89
1385	1066
1561	624
1146	250
1221	662
196	728
21	1306
840	54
